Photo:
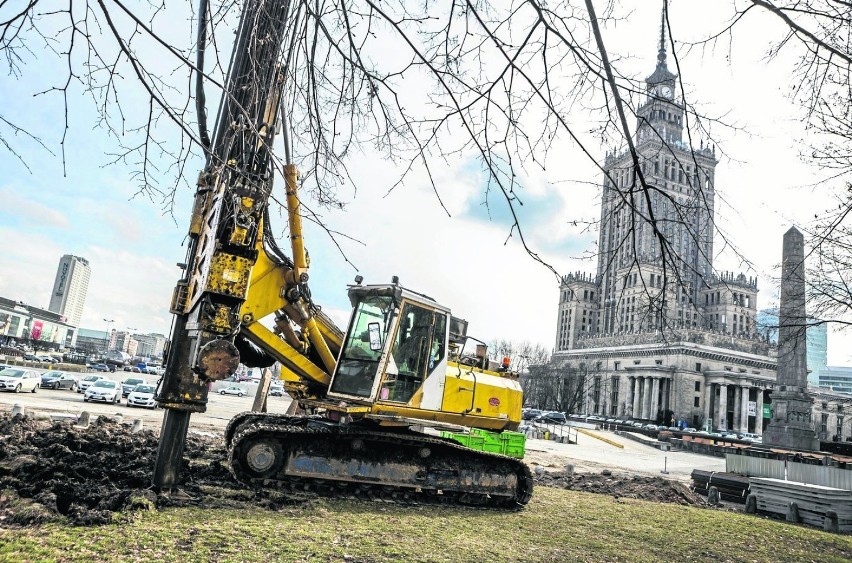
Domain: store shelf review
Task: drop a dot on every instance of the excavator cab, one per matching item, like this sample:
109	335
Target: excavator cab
396	338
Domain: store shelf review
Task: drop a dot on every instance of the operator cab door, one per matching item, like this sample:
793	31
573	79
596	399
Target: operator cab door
418	352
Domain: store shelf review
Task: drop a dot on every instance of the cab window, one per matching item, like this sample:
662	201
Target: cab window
358	365
418	347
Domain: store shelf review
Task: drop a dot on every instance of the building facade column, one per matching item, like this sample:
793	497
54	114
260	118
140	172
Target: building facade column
646	399
628	397
758	420
735	423
655	398
743	410
722	423
635	413
708	399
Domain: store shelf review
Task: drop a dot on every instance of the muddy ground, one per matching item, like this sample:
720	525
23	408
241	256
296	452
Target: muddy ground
54	471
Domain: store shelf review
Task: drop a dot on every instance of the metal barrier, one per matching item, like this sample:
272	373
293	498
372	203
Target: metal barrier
790	471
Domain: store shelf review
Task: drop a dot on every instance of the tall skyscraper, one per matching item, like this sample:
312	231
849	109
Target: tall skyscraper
70	288
655	261
656	333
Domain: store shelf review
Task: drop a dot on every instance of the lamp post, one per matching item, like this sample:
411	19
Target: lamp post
109	324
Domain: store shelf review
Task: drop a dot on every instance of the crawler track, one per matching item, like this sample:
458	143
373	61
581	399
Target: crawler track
299	453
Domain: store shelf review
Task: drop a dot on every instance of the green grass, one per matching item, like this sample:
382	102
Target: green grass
558	526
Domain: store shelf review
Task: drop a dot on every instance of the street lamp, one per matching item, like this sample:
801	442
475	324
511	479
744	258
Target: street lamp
109	324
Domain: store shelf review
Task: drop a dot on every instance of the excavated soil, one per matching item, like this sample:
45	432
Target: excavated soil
655	489
54	471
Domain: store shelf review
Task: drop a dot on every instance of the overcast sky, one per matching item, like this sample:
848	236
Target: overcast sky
466	259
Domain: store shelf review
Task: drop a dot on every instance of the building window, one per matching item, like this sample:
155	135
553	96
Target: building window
697	368
839	432
697	386
824	424
617	365
658	362
696	402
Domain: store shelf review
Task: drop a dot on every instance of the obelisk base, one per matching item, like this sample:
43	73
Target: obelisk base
791	426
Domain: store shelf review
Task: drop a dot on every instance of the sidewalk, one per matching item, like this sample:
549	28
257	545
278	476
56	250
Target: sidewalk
592	455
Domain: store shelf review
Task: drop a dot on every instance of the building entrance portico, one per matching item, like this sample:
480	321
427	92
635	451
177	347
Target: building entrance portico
735	404
650	394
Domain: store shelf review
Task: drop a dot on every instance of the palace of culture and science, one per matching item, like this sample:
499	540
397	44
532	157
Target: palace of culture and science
655	333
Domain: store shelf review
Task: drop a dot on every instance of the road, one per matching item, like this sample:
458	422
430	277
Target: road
220	408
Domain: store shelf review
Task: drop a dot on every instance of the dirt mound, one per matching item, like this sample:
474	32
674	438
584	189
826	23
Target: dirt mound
54	471
654	489
51	471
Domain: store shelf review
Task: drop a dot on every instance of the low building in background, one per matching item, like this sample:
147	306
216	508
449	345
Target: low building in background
836	378
832	414
33	327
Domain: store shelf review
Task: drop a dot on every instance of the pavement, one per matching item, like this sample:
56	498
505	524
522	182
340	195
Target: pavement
591	454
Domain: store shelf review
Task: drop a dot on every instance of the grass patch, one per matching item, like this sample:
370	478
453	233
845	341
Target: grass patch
558	525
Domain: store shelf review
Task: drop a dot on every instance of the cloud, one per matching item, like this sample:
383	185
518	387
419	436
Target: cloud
27	211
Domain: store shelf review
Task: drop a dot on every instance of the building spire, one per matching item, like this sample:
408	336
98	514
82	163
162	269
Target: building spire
661	54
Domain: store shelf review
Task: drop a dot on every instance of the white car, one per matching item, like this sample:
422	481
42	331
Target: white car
88	381
105	390
142	396
233	390
17	380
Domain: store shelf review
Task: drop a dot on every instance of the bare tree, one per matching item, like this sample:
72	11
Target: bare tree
424	85
816	34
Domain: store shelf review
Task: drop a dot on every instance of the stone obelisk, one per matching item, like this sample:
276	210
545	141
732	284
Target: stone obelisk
791	425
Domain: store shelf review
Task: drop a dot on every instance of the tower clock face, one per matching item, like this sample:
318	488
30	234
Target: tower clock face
666	92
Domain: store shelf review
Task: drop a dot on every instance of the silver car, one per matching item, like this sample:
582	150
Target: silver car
105	390
88	381
142	396
130	384
17	380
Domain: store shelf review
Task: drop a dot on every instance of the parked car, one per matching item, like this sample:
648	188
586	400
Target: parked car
99	367
233	390
690	429
17	380
142	396
32	358
276	390
530	414
87	381
653	427
129	384
56	379
750	437
552	417
105	390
